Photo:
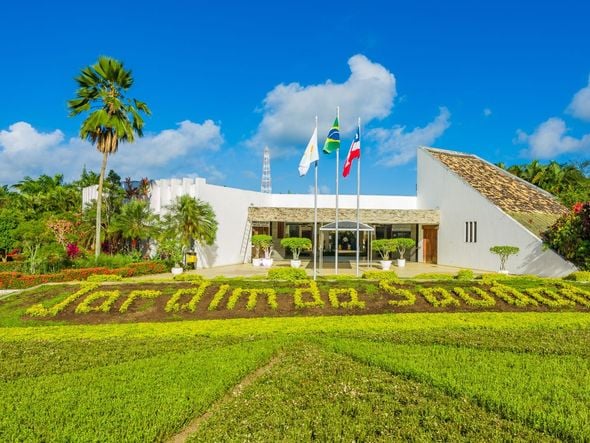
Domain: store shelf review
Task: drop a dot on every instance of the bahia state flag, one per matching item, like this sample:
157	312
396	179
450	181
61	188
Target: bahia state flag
353	152
310	155
333	140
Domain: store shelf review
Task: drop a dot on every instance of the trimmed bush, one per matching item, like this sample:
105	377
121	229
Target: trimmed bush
290	274
578	276
465	274
104	277
380	275
433	276
189	277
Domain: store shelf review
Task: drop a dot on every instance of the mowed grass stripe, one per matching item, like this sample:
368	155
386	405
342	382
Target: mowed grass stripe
545	341
313	394
549	393
295	325
145	400
36	358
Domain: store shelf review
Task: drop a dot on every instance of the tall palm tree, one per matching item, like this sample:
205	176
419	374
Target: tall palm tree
112	118
193	220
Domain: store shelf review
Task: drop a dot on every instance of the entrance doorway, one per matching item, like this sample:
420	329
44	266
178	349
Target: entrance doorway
430	243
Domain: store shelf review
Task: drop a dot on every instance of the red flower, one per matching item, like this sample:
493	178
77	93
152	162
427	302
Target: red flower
578	207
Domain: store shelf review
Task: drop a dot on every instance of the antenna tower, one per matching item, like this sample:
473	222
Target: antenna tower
266	187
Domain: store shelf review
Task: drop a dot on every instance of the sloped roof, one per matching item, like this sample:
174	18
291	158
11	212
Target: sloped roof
531	206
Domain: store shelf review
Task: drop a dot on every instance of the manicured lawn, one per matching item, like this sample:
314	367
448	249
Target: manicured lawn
489	376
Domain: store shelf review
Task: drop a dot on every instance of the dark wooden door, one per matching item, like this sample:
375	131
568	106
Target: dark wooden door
430	243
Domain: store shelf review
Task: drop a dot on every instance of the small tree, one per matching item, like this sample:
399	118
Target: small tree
296	244
384	247
402	245
504	252
264	242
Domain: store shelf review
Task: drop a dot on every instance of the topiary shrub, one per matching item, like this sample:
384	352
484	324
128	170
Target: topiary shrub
380	275
290	274
465	274
296	245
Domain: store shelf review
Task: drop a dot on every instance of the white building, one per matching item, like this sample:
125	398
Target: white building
464	205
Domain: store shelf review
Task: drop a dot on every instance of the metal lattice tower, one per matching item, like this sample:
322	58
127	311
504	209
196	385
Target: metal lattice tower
266	186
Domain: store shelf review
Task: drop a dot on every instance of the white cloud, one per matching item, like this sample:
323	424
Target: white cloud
21	138
396	147
26	151
289	110
549	140
580	104
487	112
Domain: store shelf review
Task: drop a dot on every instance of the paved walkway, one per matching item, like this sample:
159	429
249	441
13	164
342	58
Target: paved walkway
345	267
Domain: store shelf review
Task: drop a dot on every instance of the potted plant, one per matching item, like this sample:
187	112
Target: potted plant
296	244
264	242
257	244
384	247
402	245
504	252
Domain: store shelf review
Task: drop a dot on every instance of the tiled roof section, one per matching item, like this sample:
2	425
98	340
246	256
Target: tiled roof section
506	191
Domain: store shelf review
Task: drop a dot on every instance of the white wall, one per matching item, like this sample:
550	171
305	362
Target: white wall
344	201
231	210
439	188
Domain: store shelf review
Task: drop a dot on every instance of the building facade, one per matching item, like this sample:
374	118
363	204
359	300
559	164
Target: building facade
464	205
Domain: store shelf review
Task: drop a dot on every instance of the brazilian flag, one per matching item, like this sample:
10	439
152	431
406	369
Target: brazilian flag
333	140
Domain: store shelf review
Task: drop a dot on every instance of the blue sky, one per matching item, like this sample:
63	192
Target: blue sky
506	82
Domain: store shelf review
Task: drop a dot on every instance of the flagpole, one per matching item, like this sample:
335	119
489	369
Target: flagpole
337	172
358	198
315	212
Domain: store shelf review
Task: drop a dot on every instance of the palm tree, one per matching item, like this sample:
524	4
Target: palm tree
112	117
135	222
192	220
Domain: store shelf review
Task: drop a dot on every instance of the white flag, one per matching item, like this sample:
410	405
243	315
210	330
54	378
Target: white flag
310	155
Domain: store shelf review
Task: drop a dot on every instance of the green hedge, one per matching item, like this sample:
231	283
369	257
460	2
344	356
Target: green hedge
291	274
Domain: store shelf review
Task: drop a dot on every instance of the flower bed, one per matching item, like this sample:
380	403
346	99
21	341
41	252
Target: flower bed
19	280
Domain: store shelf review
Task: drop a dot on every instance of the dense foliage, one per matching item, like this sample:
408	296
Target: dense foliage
569	182
570	236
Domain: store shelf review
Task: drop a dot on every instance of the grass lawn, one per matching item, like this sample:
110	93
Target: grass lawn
483	376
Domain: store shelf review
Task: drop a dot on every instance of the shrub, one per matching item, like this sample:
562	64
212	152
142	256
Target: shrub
465	274
570	236
380	275
290	274
104	277
578	276
189	277
433	276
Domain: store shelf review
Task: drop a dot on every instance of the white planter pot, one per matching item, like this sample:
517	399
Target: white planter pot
401	262
503	271
267	262
295	263
176	271
385	264
256	261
